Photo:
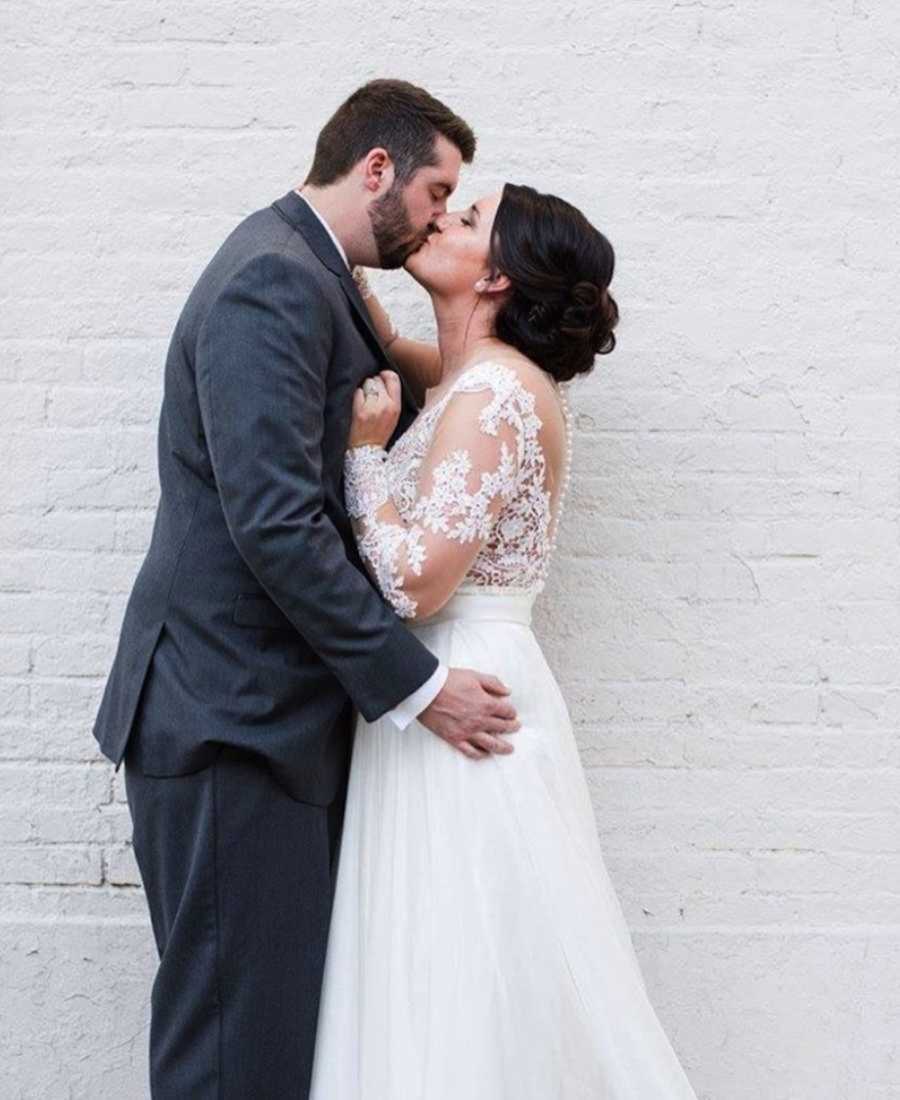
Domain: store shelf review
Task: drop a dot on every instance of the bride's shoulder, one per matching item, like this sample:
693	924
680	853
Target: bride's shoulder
509	389
506	375
516	382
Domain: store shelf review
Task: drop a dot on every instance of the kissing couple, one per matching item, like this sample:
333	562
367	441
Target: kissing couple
359	814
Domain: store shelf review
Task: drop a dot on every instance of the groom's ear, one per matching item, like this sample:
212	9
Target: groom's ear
377	170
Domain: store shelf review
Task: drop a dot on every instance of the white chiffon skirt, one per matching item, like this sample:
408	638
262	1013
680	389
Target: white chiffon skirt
477	948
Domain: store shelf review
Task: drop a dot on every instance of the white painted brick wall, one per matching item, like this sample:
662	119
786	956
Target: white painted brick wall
724	611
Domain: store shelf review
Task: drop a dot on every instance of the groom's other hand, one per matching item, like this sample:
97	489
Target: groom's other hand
471	712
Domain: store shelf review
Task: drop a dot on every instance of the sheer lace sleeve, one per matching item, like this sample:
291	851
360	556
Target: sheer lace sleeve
419	553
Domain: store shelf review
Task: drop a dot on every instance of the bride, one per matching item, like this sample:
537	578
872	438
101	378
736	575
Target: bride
477	949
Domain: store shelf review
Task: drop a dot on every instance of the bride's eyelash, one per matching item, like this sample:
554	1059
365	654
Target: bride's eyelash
465	221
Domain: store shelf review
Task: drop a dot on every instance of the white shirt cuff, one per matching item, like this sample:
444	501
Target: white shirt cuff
404	712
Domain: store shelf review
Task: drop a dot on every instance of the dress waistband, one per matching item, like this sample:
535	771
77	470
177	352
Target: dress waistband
482	604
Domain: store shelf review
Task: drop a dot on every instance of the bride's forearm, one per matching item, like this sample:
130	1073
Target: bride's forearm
419	362
386	544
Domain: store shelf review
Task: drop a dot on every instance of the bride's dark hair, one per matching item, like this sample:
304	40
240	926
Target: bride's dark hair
558	310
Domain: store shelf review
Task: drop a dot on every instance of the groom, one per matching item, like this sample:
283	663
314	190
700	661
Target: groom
252	634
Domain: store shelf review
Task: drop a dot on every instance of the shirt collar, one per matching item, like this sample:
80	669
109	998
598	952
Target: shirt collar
337	243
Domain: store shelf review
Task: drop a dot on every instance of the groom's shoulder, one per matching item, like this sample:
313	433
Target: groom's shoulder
265	233
263	245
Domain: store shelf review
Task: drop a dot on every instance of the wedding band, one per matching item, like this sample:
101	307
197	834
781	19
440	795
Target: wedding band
370	387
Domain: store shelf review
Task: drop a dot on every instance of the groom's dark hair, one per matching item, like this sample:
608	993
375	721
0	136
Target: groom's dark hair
400	117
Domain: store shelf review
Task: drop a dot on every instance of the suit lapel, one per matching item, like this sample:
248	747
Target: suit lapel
298	213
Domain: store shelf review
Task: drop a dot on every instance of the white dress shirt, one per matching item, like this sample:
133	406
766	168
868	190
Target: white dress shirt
414	704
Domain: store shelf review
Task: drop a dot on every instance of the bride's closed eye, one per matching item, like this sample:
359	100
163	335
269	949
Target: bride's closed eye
470	222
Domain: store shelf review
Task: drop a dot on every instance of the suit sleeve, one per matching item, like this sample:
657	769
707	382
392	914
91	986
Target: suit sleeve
262	358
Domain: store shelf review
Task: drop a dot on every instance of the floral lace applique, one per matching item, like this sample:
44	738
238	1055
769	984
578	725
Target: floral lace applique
462	490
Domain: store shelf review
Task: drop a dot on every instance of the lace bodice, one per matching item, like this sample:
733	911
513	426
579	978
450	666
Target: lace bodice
461	497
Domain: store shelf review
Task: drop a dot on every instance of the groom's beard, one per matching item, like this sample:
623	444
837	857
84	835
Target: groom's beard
394	235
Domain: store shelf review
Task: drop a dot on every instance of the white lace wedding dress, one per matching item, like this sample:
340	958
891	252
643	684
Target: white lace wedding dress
477	949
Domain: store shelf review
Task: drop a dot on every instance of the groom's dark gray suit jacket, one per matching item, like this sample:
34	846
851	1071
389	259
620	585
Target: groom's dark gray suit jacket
251	622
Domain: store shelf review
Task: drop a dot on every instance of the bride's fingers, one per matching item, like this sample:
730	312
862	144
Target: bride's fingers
391	382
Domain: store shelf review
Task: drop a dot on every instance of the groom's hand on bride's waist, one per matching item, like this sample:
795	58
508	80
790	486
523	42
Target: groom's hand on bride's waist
472	712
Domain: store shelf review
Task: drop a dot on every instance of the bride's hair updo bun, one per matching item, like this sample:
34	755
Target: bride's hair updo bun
558	311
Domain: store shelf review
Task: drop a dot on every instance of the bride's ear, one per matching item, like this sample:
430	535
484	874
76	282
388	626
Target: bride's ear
488	284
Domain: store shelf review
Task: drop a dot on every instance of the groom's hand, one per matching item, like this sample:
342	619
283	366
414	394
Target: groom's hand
471	712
